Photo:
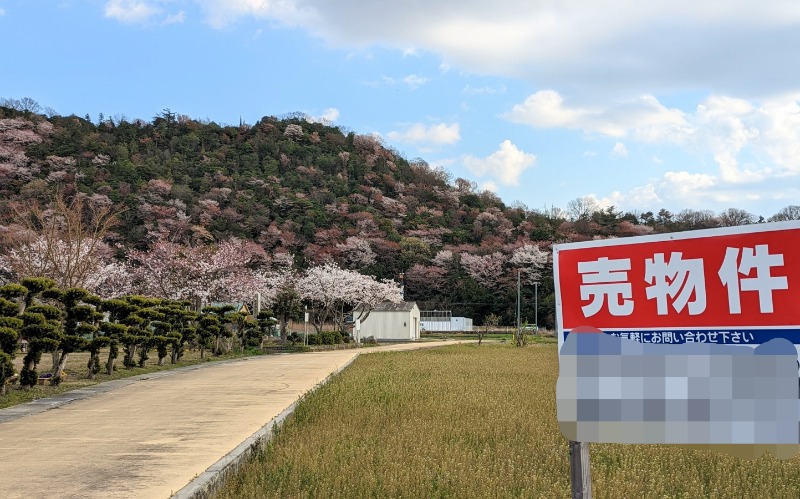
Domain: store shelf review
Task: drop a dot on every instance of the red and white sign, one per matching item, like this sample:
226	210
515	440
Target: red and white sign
728	285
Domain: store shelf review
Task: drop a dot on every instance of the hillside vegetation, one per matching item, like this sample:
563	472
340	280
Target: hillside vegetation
308	193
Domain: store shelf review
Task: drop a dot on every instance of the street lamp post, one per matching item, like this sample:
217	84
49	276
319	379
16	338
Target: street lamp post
518	301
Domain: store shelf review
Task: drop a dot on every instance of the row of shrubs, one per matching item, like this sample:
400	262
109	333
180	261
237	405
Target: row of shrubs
326	338
323	338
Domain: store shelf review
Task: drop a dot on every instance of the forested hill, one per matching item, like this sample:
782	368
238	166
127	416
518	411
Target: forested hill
288	183
309	189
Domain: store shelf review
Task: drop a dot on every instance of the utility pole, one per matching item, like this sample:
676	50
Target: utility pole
519	301
536	305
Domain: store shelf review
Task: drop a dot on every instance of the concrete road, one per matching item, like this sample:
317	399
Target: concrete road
150	437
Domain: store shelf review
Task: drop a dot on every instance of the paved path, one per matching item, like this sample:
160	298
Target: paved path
148	438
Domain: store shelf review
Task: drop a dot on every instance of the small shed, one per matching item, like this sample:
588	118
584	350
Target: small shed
391	322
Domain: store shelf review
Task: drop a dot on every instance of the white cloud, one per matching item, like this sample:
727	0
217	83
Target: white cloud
418	133
142	12
545	109
328	116
729	129
644	116
331	114
176	18
685	185
489	186
642	196
222	13
412	80
619	150
485	90
506	164
607	201
675	188
606	46
131	11
415	81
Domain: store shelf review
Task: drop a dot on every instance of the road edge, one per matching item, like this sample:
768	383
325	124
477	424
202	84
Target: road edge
209	482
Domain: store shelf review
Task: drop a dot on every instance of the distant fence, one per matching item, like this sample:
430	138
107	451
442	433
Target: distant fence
443	321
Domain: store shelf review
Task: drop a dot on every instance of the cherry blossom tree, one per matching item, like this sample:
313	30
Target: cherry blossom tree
322	286
530	259
228	271
424	280
331	290
443	258
367	292
356	253
486	270
112	280
63	241
167	270
15	136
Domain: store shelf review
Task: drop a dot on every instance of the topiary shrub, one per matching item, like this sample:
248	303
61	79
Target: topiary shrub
6	370
28	377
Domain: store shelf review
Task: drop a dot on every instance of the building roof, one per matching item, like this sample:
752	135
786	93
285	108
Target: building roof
387	306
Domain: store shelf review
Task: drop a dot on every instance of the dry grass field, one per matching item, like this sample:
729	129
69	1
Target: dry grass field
469	421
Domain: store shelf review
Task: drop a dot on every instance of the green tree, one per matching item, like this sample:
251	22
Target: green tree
35	286
266	323
118	311
113	332
42	329
80	326
6	370
208	328
287	306
225	318
93	347
8	342
414	250
244	327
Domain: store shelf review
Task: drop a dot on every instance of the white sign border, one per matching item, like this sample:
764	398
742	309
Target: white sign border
653	238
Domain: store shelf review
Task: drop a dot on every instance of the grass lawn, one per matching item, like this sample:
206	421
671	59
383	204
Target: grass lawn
501	337
469	421
77	372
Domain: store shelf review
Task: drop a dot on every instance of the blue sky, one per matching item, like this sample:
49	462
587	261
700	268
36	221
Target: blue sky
641	105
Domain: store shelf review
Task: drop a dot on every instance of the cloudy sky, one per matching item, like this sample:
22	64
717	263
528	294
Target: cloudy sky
642	105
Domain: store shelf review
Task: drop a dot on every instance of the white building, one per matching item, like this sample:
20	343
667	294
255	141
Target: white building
391	322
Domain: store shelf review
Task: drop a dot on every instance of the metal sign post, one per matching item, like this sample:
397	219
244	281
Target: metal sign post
579	470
